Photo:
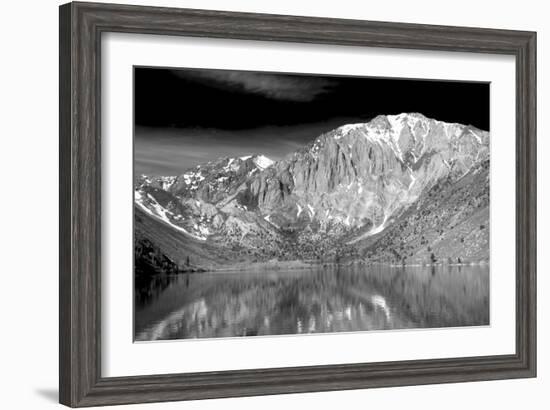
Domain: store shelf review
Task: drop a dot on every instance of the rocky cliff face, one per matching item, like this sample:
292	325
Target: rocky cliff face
348	186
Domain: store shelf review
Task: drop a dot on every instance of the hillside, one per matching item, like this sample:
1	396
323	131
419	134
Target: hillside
449	223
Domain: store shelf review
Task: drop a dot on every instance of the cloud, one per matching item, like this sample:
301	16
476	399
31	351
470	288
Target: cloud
284	87
170	151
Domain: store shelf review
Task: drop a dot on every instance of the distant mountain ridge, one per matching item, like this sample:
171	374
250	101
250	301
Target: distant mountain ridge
337	197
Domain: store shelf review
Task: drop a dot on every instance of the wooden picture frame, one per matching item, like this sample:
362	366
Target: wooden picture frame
81	27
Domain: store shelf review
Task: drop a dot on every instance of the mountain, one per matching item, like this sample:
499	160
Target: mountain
400	188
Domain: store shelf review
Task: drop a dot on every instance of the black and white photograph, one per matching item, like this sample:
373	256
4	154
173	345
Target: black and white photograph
270	203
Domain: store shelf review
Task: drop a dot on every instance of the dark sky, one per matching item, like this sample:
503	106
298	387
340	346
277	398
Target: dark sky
185	117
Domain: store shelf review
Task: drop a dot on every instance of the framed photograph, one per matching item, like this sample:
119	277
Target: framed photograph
261	204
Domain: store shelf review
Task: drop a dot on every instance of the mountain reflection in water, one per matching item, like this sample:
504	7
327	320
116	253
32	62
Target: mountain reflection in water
320	300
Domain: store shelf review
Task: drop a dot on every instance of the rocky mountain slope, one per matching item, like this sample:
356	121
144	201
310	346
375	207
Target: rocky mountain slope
396	189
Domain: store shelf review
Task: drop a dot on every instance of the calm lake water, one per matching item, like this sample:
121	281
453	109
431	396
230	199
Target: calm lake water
320	300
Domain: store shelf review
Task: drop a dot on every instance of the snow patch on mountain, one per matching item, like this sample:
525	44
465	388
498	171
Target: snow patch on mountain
373	231
413	178
167	182
345	129
159	212
311	210
347	220
477	137
267	218
397	124
231	165
263	162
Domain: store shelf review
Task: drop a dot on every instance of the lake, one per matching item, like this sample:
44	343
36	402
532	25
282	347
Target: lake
317	300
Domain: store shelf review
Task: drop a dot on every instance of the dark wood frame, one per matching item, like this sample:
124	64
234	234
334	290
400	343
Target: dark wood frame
80	380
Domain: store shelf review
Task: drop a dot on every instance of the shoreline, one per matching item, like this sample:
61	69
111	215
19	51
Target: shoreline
297	265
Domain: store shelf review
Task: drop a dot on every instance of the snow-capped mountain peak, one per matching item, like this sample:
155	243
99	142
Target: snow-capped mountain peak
262	161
